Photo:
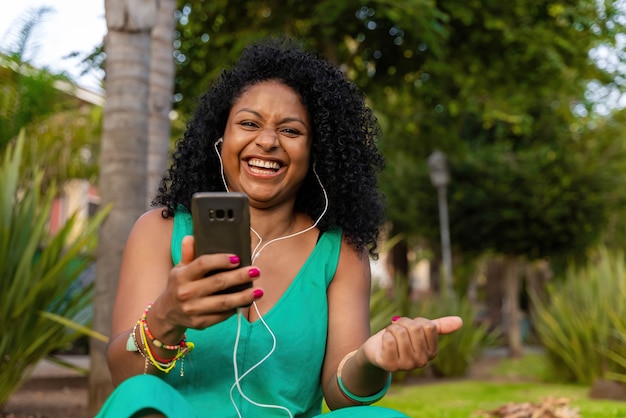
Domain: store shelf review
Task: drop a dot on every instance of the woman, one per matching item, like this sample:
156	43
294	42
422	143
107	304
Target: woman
286	128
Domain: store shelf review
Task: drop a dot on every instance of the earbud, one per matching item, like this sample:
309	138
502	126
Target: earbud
219	157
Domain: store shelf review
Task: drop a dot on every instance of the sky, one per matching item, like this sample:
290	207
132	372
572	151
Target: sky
70	26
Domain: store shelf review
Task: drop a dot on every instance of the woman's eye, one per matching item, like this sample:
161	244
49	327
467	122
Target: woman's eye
291	132
248	124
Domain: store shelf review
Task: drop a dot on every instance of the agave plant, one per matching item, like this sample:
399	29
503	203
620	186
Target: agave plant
616	351
36	272
582	324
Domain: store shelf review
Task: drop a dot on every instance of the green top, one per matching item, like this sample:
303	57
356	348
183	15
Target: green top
290	376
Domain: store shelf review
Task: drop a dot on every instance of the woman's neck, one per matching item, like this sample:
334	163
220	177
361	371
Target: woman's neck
274	223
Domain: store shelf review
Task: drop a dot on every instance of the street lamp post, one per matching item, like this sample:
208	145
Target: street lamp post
440	178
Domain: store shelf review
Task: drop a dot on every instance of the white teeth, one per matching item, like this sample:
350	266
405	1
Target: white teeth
256	162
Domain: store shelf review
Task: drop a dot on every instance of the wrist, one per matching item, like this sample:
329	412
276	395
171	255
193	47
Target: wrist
360	387
158	321
362	362
152	349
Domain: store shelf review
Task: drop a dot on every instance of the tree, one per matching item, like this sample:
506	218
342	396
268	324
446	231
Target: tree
123	161
28	94
506	102
211	35
496	85
161	92
61	122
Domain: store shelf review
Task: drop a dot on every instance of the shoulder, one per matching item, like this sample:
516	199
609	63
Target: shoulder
148	243
352	257
150	228
353	267
154	219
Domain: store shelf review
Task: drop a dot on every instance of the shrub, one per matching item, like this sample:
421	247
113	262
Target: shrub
581	322
36	272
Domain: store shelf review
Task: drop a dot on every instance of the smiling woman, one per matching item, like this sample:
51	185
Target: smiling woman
287	129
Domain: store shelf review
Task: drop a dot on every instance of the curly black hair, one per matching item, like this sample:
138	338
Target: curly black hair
344	135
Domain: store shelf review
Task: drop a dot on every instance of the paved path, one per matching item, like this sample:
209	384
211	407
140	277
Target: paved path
48	369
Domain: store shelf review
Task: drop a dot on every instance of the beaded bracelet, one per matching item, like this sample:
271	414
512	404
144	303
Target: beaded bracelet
148	362
164	365
133	345
360	400
154	341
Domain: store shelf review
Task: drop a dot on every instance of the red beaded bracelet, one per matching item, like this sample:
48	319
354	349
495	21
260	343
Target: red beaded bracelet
154	341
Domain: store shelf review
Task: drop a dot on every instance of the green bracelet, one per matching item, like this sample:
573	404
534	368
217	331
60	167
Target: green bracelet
365	400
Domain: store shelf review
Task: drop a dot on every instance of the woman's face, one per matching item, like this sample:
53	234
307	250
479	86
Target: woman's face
267	144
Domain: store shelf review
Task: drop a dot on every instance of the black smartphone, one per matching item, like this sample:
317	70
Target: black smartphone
221	224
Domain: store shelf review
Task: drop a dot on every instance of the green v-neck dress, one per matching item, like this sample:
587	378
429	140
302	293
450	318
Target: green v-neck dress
278	359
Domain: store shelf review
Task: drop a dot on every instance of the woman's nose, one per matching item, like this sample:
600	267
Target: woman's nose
267	139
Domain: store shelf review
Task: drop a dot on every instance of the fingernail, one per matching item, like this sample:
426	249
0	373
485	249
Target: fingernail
257	293
234	259
395	318
254	272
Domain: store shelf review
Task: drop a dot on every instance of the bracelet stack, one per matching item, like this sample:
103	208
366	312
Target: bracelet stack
359	400
147	339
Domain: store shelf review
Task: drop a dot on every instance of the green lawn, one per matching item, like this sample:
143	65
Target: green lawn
516	381
462	399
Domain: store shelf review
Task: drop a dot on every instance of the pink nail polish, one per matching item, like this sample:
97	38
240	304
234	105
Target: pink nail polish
257	293
395	318
254	272
234	259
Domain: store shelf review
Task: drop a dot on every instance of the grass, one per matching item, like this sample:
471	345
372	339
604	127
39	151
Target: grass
532	367
520	380
463	399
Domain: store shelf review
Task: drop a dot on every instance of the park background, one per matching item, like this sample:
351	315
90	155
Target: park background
524	99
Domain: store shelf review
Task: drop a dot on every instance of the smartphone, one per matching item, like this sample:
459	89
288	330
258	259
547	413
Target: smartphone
221	224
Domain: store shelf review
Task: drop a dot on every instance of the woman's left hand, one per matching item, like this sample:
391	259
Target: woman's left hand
408	343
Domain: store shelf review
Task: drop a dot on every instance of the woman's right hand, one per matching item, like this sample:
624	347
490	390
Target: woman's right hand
190	299
180	296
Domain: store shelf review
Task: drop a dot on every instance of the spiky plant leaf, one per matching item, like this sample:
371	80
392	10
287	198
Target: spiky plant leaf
37	270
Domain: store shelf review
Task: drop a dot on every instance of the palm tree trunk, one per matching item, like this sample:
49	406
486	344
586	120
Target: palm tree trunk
494	290
512	306
161	91
122	162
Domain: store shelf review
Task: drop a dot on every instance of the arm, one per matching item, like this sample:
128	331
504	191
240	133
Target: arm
349	328
145	267
181	299
405	344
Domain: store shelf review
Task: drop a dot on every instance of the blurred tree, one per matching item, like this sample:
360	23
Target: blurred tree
533	175
500	87
63	129
27	93
123	163
61	122
370	43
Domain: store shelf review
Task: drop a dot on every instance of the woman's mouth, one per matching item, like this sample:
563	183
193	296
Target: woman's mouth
258	166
